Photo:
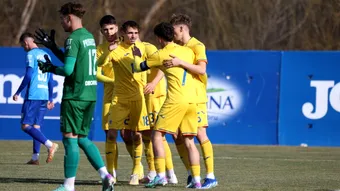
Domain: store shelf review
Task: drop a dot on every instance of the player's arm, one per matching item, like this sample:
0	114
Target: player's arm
68	68
50	88
24	83
101	77
41	37
71	54
150	87
198	68
50	104
140	64
28	75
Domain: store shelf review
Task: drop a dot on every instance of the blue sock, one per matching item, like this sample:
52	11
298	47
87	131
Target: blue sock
36	144
36	134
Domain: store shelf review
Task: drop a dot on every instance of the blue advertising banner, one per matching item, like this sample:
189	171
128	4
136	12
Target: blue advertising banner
310	99
243	96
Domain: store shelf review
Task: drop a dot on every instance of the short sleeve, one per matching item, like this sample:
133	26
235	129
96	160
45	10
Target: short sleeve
30	60
154	60
199	50
150	49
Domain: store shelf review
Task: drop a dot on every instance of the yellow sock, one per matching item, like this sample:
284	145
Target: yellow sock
168	155
183	153
129	148
160	165
138	151
208	155
149	153
111	153
195	170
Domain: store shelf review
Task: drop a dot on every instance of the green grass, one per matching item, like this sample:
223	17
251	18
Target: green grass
262	168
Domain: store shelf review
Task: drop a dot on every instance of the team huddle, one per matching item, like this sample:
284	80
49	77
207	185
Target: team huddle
148	92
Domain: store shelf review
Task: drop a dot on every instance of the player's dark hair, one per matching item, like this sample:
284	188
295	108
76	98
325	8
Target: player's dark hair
107	20
76	9
165	31
25	35
181	19
132	24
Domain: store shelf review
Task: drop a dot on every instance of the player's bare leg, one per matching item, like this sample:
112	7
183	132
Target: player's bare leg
111	152
208	156
126	135
194	159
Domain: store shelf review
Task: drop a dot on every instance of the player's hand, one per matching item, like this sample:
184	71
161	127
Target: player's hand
50	105
173	62
46	66
41	37
149	88
15	97
136	51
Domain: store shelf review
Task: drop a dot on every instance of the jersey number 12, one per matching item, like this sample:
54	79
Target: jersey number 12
92	62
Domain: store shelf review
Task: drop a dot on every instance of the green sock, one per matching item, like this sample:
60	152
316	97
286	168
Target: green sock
92	152
71	158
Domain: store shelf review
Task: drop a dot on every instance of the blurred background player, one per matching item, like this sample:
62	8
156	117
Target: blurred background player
79	96
37	99
109	28
128	108
179	108
182	25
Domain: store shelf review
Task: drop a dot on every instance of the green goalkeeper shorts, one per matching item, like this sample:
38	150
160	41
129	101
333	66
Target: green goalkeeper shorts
76	116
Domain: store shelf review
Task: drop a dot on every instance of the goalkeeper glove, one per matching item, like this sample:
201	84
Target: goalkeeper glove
41	37
46	66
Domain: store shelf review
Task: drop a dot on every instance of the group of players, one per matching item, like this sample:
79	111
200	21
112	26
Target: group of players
147	93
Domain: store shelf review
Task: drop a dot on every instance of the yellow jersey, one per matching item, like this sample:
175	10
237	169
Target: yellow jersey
105	73
180	83
200	55
160	89
128	85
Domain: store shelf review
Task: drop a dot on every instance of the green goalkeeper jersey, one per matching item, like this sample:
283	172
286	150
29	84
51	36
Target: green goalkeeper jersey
82	83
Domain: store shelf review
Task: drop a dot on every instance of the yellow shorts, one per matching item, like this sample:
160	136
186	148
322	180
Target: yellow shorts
132	115
202	115
105	115
177	116
153	105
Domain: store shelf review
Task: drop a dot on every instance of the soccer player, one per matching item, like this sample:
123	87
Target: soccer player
109	28
79	96
155	94
179	108
128	108
38	97
182	25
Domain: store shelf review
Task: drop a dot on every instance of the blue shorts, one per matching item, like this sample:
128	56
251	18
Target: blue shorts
33	112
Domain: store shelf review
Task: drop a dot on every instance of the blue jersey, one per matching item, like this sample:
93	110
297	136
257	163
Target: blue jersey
38	86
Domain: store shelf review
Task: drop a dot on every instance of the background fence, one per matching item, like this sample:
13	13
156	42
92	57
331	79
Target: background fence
254	97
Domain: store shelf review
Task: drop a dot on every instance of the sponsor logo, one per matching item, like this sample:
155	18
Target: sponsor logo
224	100
326	91
9	83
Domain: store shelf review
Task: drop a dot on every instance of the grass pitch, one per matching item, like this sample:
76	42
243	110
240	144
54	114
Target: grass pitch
260	168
